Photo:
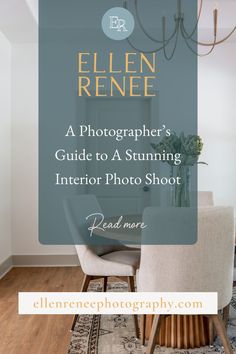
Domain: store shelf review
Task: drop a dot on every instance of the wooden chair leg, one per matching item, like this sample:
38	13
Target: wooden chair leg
105	284
85	283
143	329
132	289
74	322
226	315
221	332
154	333
131	284
84	288
211	330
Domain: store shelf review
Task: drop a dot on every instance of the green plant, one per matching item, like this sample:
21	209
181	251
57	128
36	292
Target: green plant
190	148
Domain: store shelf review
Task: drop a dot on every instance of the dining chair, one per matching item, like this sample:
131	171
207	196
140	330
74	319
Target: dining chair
206	266
99	257
205	198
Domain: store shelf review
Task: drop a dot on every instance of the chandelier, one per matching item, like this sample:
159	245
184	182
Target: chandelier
179	30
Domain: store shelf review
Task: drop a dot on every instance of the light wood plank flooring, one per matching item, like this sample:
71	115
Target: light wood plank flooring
35	334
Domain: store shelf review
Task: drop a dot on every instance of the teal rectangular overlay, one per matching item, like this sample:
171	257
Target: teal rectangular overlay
117	121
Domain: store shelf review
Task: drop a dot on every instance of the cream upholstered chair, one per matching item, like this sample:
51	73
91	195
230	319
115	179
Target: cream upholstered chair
205	198
99	257
206	266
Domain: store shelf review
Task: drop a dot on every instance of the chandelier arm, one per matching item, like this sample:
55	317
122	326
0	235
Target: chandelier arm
196	52
216	42
144	51
145	31
176	41
153	50
165	43
180	27
186	34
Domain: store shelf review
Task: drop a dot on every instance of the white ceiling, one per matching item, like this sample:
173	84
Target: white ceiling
18	18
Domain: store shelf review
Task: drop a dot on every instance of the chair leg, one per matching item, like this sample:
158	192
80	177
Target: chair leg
226	315
84	288
221	332
132	289
85	283
105	284
211	330
143	328
131	284
154	333
74	322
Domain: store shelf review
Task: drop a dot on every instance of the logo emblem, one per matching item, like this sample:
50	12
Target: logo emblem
118	23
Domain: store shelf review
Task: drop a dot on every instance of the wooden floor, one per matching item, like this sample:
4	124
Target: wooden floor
35	334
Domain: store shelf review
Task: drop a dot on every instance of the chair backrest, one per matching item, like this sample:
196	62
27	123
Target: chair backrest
205	198
206	266
77	208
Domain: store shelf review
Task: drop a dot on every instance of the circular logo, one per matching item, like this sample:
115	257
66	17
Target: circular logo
118	23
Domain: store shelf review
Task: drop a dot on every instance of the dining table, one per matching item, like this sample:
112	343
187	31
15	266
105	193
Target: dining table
177	331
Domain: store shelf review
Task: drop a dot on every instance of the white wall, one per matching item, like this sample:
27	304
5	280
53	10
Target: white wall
25	154
217	123
5	148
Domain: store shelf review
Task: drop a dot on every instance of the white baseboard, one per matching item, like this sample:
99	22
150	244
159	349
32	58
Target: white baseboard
6	266
51	260
45	260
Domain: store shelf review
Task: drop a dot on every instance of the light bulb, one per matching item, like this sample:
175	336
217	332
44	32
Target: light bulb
216	5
